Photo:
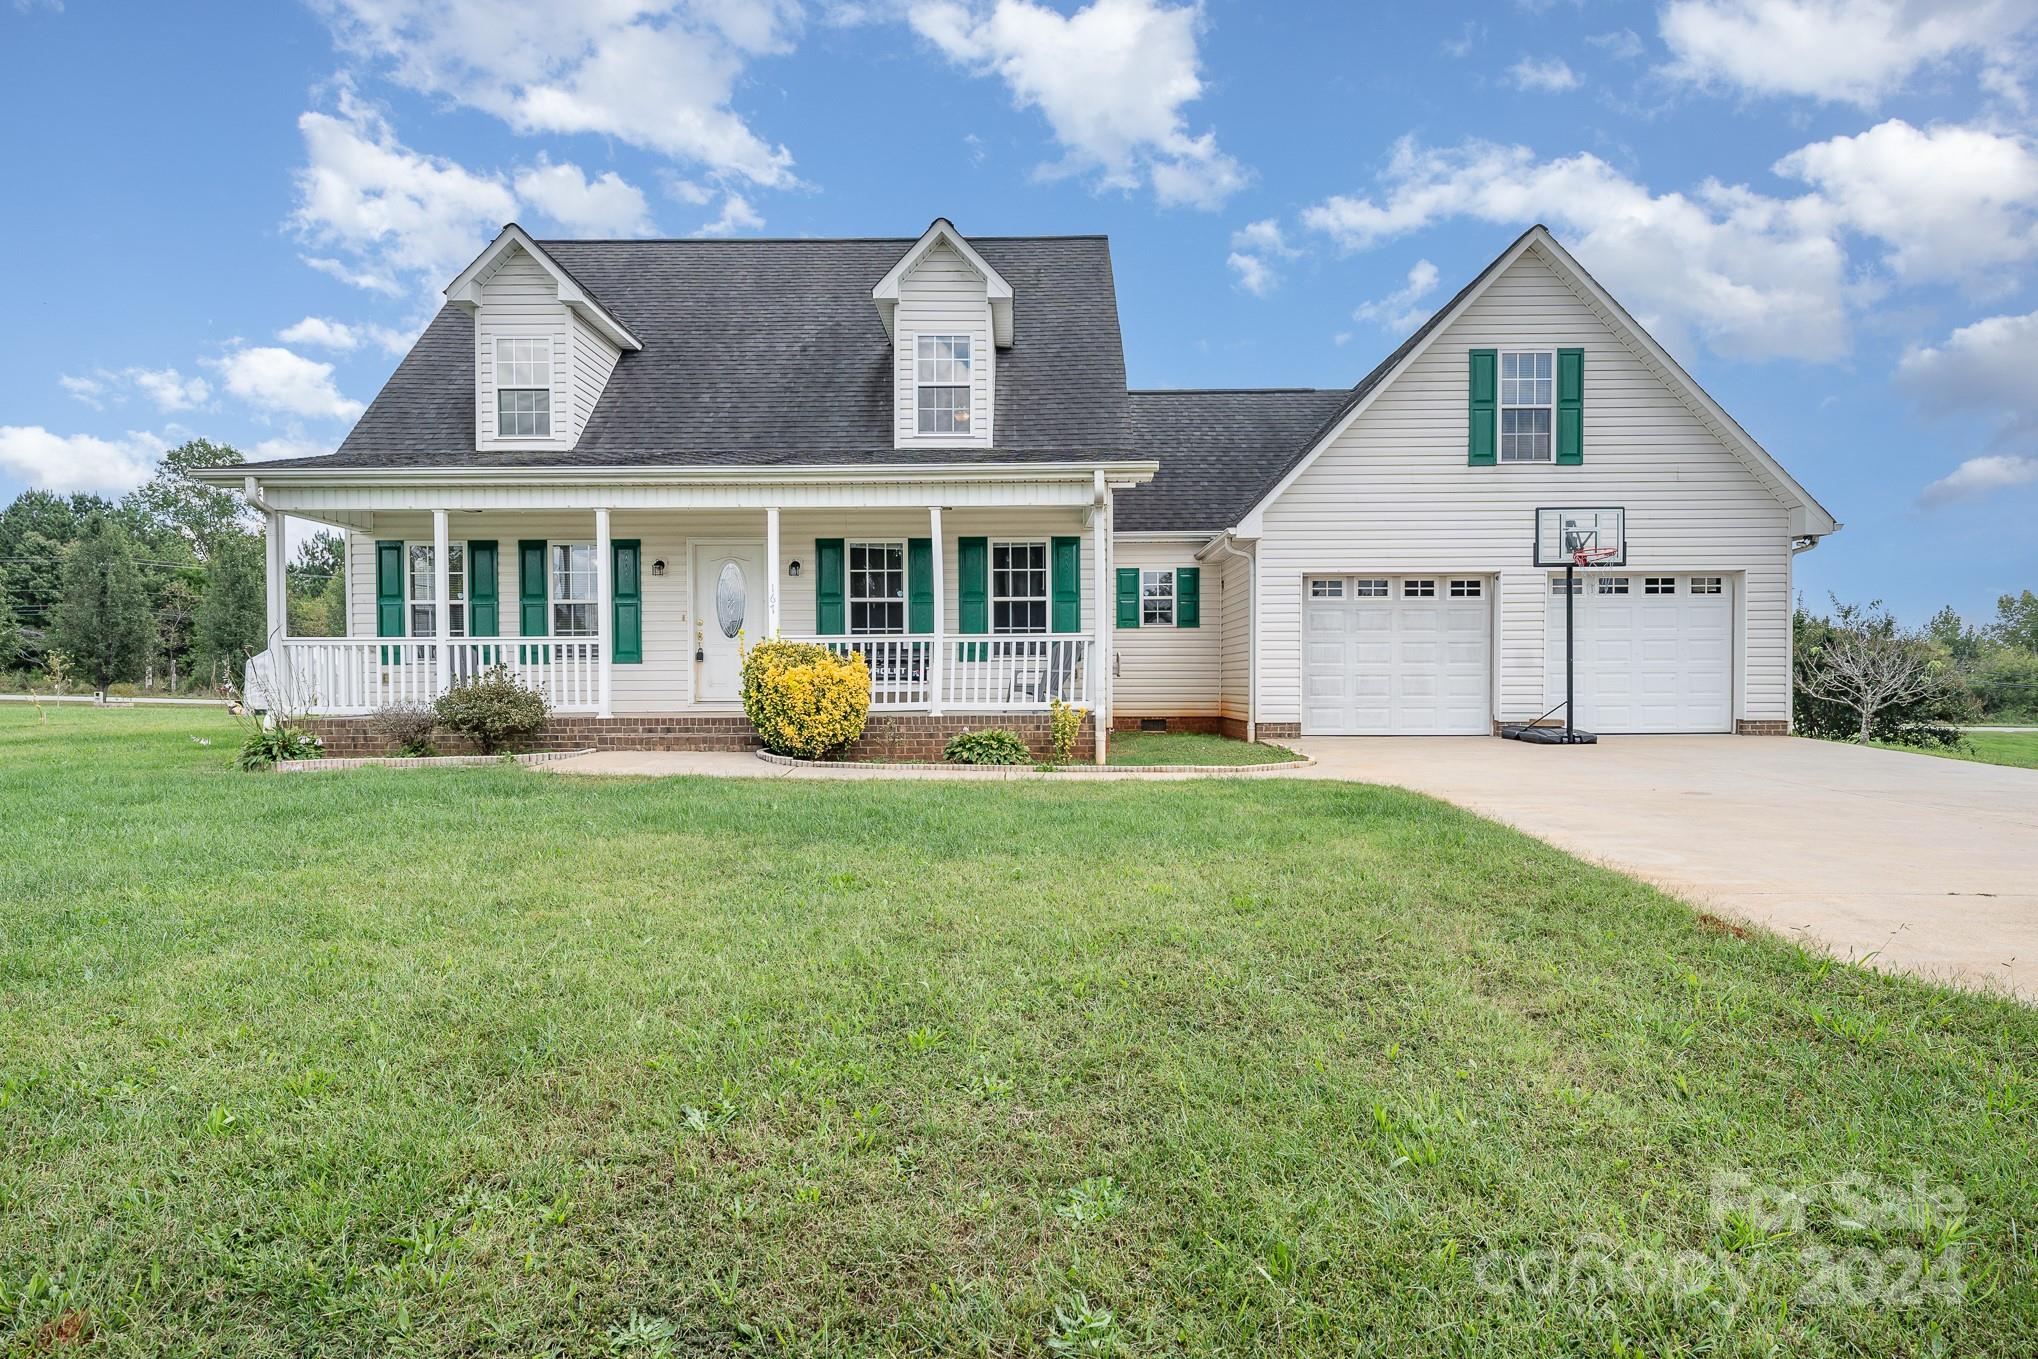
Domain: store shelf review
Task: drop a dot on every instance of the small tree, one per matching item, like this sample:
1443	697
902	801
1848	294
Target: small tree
10	630
232	613
1873	670
102	618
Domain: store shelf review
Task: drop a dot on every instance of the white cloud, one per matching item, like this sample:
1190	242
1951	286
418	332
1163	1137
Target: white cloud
78	462
737	215
279	380
344	337
1255	275
1757	277
1978	477
1986	367
1552	75
1398	310
606	206
1263	237
1111	79
657	74
397	212
289	447
91	391
167	388
1621	44
1846	51
359	278
1950	202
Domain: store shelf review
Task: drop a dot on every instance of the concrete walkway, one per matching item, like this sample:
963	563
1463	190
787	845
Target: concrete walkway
1928	864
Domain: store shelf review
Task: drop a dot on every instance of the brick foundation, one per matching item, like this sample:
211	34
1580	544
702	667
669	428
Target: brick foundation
1280	731
1196	722
886	736
1761	727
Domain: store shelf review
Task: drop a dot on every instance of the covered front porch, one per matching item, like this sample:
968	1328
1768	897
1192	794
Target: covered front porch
994	598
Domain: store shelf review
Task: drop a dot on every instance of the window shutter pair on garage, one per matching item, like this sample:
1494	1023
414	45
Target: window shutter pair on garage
1188	597
1483	416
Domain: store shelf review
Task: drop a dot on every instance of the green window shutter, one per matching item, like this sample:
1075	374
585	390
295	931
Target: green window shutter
484	614
1485	404
532	616
389	589
972	585
1189	597
1065	585
919	585
829	618
1571	406
627	601
1128	596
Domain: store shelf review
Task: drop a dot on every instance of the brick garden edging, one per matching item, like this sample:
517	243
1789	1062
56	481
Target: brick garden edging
421	761
877	770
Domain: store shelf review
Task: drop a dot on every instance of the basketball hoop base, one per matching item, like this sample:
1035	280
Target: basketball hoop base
1547	736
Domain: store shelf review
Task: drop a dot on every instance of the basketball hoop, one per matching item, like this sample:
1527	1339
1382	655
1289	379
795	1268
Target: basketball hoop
1593	556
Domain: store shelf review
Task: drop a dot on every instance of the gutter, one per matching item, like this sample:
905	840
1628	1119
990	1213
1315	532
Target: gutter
1805	542
1129	473
1227	544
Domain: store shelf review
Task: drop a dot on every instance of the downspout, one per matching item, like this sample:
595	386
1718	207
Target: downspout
1252	633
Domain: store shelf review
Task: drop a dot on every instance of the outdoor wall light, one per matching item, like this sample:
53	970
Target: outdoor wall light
793	569
658	567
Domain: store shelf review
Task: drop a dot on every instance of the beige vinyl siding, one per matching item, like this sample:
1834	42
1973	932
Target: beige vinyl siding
1394	494
943	295
1235	636
663	681
594	358
1161	671
520	300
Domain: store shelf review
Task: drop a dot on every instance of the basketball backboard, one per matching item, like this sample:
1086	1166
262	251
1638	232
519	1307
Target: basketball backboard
1561	531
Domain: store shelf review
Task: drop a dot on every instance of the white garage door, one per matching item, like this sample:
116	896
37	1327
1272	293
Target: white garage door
1396	656
1655	653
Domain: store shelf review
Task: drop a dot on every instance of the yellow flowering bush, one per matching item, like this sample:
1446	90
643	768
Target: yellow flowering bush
804	699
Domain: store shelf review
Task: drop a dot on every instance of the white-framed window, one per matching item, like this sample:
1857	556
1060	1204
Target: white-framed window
1157	598
1561	587
574	606
421	583
1370	587
1528	404
1018	587
1418	589
1465	589
877	589
523	387
1706	585
1659	585
1613	585
1326	587
943	382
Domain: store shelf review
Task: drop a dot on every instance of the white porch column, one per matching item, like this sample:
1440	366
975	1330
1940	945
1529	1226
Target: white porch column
442	588
278	582
939	642
1100	549
771	569
605	612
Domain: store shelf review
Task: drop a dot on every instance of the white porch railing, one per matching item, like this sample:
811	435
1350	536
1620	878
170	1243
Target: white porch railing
977	674
347	676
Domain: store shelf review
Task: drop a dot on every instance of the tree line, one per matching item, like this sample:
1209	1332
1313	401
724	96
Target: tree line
162	589
1864	676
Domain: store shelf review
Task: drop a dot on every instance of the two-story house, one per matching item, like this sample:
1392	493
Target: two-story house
613	465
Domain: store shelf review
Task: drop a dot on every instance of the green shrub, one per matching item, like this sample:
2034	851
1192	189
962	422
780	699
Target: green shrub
266	745
1066	721
993	745
492	707
804	699
407	727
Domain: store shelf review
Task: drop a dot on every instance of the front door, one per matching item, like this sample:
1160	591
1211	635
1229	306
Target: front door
728	611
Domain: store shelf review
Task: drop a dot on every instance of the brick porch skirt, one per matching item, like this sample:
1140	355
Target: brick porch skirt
886	736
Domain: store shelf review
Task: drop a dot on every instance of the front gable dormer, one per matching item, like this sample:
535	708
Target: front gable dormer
544	347
947	312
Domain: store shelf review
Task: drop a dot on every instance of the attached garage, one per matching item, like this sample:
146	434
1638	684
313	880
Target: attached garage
1655	653
1397	655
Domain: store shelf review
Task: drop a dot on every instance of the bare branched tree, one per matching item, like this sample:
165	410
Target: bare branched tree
1869	671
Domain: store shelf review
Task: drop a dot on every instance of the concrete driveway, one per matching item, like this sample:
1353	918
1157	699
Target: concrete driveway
1930	865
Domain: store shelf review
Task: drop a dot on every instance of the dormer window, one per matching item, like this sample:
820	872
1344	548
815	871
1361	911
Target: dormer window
523	388
944	384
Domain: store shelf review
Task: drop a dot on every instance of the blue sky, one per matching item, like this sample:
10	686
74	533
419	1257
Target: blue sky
228	221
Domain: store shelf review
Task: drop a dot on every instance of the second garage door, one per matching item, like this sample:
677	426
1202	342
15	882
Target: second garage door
1655	653
1396	656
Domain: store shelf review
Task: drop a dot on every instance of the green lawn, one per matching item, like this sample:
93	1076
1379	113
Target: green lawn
2018	749
494	1061
1188	747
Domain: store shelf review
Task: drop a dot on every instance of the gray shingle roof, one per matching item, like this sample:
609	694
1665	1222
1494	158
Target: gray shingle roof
1215	448
771	353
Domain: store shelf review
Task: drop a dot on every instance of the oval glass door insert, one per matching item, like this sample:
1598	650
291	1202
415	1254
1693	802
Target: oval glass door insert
731	595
